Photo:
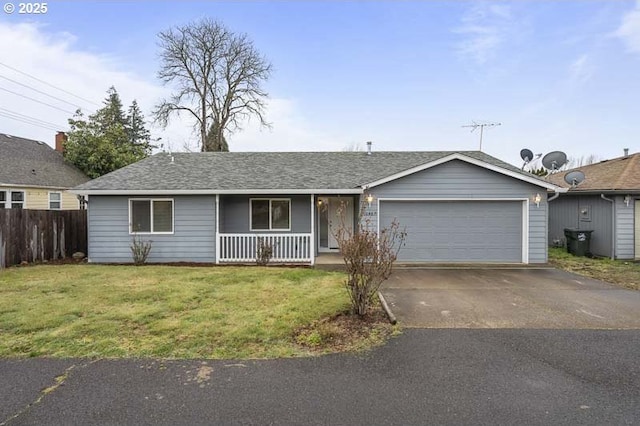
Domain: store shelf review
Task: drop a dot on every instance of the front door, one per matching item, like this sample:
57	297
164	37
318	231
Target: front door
331	211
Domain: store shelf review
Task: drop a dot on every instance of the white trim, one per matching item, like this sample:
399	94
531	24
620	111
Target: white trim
217	228
525	215
58	201
9	199
270	229
214	191
525	231
458	156
152	200
313	231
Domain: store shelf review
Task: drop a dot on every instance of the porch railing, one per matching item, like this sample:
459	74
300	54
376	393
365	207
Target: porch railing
287	248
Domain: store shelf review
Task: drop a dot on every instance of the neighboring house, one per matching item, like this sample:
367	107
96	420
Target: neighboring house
606	202
216	207
35	176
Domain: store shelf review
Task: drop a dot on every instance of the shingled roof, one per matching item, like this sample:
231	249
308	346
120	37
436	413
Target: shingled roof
617	174
230	171
26	162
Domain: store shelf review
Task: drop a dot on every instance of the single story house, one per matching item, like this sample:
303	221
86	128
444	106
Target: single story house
35	176
457	206
607	202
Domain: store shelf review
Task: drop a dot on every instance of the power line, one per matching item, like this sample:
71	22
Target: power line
40	91
49	84
27	117
36	100
44	126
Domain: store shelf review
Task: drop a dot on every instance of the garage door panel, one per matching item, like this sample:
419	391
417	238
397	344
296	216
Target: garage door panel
458	231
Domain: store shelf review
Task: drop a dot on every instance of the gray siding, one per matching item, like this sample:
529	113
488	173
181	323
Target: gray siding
234	213
625	241
565	212
193	239
458	179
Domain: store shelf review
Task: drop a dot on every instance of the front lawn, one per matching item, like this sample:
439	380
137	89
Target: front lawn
163	311
620	272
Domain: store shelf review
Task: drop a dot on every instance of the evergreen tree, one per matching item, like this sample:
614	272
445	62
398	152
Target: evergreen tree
107	140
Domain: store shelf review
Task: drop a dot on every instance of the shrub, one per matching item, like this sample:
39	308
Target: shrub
264	252
140	250
368	257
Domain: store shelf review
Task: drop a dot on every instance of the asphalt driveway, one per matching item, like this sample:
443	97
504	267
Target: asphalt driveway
508	298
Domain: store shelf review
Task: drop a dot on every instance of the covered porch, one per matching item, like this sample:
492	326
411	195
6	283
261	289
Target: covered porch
299	229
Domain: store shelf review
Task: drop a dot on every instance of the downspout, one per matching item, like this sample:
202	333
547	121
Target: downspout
557	194
613	225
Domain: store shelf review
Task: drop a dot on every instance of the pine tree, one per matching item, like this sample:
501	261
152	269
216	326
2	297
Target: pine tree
139	136
107	140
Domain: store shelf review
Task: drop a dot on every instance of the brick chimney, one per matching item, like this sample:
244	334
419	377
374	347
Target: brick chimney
61	138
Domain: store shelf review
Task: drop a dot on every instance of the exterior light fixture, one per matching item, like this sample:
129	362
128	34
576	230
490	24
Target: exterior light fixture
627	200
536	199
369	199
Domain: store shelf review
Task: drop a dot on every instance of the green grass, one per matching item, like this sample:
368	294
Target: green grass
623	273
162	311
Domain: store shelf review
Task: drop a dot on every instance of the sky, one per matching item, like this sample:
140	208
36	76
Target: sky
406	75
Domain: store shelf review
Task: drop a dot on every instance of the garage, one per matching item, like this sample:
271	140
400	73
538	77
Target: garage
460	230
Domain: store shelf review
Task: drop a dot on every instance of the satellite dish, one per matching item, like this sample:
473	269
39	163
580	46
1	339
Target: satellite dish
574	178
526	155
554	160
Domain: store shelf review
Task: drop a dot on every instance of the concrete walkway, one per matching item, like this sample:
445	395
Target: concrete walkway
509	298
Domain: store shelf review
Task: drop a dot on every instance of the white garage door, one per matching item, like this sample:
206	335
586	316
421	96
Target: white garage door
458	231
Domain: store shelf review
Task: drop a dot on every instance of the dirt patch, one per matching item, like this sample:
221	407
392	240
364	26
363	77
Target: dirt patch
346	332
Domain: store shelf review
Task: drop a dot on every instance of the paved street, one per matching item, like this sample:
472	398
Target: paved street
425	376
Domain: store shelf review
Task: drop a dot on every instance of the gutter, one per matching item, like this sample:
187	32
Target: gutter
613	225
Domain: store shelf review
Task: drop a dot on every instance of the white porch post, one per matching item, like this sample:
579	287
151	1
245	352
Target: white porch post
313	232
217	228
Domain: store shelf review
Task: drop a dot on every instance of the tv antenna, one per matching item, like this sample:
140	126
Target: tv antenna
475	125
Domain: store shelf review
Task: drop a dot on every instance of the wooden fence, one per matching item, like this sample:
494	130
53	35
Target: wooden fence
38	235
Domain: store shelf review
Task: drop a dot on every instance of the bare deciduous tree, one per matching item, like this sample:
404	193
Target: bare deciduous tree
218	78
368	256
582	161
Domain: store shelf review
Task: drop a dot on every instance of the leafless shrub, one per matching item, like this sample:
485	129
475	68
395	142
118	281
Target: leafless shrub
140	250
368	256
264	252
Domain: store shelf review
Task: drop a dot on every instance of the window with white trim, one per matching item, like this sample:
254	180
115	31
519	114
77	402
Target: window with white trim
55	200
17	199
270	214
151	216
10	199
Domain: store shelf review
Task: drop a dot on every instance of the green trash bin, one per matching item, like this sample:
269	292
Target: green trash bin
578	241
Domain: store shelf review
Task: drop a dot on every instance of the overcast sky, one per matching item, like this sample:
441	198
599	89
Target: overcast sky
405	75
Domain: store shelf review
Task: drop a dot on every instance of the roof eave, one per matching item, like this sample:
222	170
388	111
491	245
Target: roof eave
214	191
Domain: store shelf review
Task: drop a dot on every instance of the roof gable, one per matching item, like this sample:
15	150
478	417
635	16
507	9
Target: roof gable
26	162
617	174
459	156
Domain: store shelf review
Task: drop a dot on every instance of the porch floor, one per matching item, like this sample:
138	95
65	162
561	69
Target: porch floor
329	259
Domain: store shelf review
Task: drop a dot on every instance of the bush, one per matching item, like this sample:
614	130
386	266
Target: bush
140	250
368	257
264	252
